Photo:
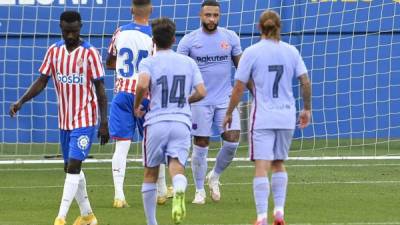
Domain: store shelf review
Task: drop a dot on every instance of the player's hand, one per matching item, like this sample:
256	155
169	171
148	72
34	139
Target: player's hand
14	108
304	118
139	112
227	121
103	134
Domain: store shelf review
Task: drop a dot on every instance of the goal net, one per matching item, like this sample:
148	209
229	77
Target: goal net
351	49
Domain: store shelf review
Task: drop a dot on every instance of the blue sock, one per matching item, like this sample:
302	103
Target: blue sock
199	166
225	156
179	182
279	183
261	193
149	194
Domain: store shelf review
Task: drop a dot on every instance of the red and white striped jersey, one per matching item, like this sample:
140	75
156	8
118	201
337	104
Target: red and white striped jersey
130	44
73	74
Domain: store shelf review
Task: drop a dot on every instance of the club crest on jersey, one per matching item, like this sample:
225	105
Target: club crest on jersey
224	45
70	79
194	126
79	62
83	142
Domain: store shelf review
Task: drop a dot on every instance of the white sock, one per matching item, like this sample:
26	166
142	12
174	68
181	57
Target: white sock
81	197
149	195
225	156
119	166
180	183
70	188
161	183
199	166
279	181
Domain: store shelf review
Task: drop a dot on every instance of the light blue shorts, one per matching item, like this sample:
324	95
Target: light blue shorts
270	144
205	116
165	139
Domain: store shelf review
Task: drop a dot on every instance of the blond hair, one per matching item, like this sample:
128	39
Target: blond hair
270	24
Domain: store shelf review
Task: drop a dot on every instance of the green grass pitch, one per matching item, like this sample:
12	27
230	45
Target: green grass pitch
319	192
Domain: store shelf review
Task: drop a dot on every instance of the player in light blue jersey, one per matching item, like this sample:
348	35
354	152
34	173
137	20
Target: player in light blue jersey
169	78
270	66
215	50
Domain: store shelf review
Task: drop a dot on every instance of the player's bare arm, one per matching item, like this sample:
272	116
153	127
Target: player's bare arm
237	93
34	89
141	90
110	62
199	94
102	101
305	115
250	86
236	60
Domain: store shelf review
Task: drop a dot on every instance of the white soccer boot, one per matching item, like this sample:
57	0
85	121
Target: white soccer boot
213	184
200	197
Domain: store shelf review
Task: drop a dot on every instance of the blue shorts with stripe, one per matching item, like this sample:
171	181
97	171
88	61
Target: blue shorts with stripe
122	122
75	144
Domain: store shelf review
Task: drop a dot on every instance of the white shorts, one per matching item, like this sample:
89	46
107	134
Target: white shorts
270	144
204	116
165	139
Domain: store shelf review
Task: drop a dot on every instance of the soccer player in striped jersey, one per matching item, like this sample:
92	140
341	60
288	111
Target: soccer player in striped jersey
214	49
270	66
170	78
77	72
129	45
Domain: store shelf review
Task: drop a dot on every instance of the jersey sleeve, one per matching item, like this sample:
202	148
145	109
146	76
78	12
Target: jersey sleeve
300	67
95	66
112	49
244	70
236	47
46	66
145	67
197	78
183	46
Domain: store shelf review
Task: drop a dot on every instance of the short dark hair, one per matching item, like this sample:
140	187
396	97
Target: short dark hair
70	16
141	2
163	32
210	3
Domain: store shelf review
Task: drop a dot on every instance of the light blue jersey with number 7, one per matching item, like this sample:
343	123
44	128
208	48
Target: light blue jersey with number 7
272	66
173	77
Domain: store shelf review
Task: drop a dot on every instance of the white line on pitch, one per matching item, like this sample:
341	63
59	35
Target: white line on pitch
224	184
354	223
233	166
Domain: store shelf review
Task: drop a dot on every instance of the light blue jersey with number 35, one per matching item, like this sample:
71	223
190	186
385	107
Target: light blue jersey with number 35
130	44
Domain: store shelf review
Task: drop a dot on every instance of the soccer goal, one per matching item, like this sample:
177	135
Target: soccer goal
351	49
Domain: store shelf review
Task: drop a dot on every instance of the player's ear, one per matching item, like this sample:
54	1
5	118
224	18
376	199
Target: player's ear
173	39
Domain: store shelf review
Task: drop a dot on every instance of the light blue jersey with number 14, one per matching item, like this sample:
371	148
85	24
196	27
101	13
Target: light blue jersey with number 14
173	77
